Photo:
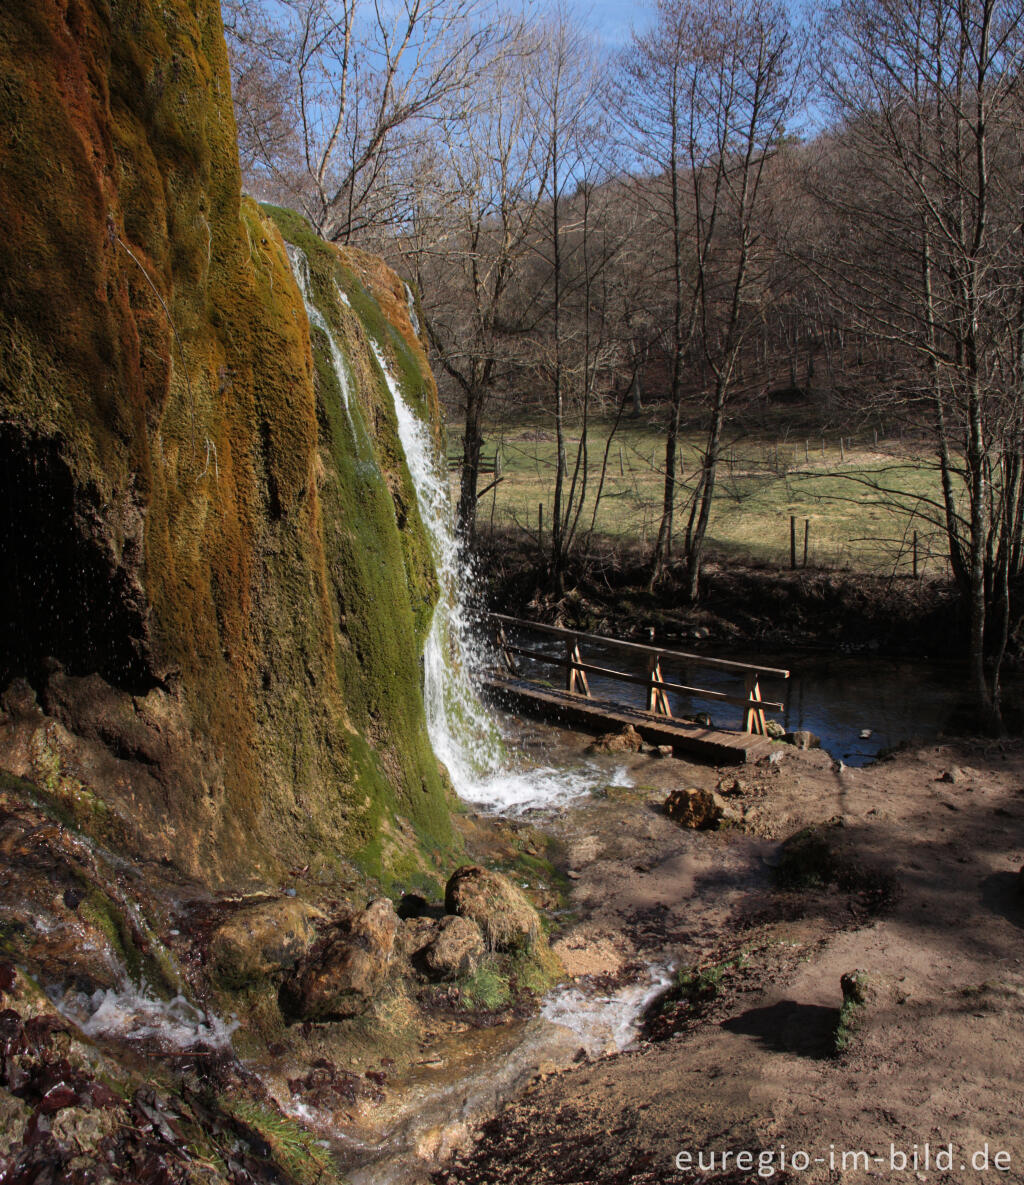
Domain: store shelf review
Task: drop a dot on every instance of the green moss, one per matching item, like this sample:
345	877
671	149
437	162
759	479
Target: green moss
149	324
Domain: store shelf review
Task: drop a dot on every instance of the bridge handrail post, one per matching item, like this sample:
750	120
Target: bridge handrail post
657	697
574	672
753	717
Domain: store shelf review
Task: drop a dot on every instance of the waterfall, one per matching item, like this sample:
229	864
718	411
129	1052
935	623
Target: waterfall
462	732
464	735
300	270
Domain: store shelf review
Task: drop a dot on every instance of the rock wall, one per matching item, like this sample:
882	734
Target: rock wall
216	584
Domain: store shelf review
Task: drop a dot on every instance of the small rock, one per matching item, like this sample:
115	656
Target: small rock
856	987
802	739
19	699
626	741
954	775
774	730
695	808
457	948
662	751
573	875
506	919
733	786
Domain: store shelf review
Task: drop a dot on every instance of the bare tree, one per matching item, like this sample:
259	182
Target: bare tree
928	92
358	82
474	211
709	96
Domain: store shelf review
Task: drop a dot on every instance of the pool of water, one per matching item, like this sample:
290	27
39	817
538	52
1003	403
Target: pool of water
858	706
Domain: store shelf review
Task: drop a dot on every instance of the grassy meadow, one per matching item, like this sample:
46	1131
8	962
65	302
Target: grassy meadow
862	499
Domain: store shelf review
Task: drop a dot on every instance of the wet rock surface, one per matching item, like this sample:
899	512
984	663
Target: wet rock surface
261	940
343	973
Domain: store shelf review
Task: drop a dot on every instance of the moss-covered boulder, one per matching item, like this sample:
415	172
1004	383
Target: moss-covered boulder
457	949
215	578
506	919
346	970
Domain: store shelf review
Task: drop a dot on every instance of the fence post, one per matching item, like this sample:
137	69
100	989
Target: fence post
915	555
792	541
807	532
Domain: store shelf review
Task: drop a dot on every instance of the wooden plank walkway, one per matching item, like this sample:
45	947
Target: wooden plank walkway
599	716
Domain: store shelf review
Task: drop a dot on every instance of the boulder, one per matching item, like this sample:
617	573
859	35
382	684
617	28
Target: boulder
261	940
414	936
457	948
346	970
626	741
506	919
695	808
802	739
774	730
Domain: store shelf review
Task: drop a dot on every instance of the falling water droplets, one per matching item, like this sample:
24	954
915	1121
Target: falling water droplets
463	733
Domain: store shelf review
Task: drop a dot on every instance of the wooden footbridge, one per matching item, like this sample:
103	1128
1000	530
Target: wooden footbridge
575	707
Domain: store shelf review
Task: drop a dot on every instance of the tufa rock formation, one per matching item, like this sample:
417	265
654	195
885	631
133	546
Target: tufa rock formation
216	584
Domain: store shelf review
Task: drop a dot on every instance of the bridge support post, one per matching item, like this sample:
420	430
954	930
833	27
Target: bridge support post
574	676
753	717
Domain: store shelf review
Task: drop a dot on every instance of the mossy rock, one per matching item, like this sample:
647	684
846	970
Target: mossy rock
506	919
175	432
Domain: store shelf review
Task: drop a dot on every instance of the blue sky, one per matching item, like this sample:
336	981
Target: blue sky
612	19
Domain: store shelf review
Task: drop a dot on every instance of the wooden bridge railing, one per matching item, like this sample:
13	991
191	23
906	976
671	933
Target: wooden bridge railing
576	669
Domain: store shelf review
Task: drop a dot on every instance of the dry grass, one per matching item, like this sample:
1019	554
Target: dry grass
862	503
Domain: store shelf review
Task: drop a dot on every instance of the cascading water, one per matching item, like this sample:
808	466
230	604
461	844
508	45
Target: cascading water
300	270
463	734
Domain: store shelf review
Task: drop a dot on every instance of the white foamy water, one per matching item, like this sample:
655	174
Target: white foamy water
132	1015
300	270
462	732
607	1022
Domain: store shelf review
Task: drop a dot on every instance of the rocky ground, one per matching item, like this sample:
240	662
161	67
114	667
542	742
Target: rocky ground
846	975
906	873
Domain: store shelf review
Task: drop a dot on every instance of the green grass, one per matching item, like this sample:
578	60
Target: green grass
486	989
292	1147
764	478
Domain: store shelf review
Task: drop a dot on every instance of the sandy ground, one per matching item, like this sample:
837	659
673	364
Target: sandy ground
933	917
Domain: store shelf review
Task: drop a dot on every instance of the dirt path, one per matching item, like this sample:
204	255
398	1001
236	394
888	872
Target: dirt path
921	896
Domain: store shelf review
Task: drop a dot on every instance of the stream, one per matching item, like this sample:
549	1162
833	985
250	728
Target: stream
857	706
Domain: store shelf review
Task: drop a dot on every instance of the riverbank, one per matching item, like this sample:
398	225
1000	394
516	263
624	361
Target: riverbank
906	879
742	604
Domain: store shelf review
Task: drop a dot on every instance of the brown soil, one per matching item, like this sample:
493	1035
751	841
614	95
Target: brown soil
921	894
606	592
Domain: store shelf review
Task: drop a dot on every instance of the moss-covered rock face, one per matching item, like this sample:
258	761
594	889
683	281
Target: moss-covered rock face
216	580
